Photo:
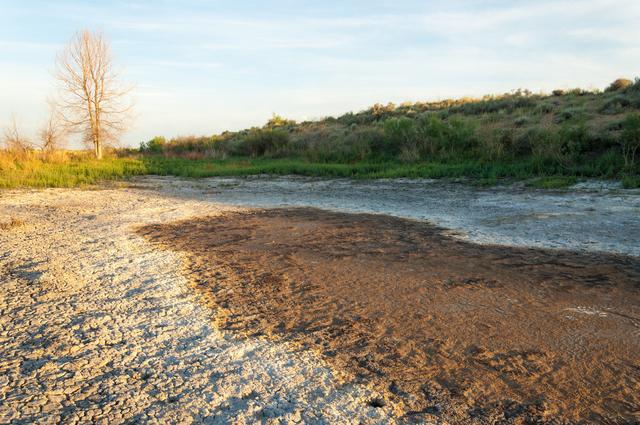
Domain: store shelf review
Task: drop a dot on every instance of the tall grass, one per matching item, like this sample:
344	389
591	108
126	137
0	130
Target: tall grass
82	170
63	170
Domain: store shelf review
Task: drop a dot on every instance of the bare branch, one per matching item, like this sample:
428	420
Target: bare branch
53	133
92	102
13	138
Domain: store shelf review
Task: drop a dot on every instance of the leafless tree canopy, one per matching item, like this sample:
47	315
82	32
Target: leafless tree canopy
92	101
13	138
53	133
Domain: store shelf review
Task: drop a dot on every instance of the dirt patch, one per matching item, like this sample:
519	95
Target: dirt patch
475	333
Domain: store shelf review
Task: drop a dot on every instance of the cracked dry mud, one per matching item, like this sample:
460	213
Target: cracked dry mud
98	326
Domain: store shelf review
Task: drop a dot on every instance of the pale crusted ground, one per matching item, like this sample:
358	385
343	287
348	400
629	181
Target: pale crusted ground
98	326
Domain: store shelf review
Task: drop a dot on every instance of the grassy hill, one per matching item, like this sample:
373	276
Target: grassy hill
574	133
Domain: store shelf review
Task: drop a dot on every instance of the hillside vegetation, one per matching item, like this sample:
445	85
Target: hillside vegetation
572	133
553	140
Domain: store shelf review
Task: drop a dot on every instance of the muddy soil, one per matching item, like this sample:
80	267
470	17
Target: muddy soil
443	327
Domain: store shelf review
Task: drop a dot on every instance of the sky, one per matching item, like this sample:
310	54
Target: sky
202	67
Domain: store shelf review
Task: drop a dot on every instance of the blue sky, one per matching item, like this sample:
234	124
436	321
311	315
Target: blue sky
200	67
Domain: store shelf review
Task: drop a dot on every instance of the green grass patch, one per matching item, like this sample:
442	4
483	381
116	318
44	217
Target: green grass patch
631	182
82	171
73	173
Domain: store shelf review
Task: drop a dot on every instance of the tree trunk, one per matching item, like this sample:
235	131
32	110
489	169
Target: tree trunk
97	148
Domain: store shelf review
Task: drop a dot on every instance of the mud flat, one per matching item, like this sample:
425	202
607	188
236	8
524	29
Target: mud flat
161	303
593	216
446	329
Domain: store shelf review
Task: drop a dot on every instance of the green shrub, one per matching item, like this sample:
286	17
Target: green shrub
521	121
155	145
462	137
615	105
577	92
568	114
635	87
541	143
630	139
506	104
354	146
497	144
544	108
432	134
261	142
514	130
359	142
400	133
631	182
574	140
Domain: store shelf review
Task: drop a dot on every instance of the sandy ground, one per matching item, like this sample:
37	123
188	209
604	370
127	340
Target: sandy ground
446	328
99	326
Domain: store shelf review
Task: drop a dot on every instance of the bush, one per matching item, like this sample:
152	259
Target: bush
380	112
558	92
338	146
523	144
433	134
635	87
521	121
578	92
630	139
541	143
506	103
155	145
619	84
400	134
574	140
615	105
497	144
544	108
568	114
277	121
260	142
462	137
359	142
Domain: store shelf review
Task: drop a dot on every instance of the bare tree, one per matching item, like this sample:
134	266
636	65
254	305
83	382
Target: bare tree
53	133
13	138
92	101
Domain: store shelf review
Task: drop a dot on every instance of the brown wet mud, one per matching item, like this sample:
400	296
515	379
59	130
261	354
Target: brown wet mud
445	328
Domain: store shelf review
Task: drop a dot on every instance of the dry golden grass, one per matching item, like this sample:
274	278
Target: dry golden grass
14	222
